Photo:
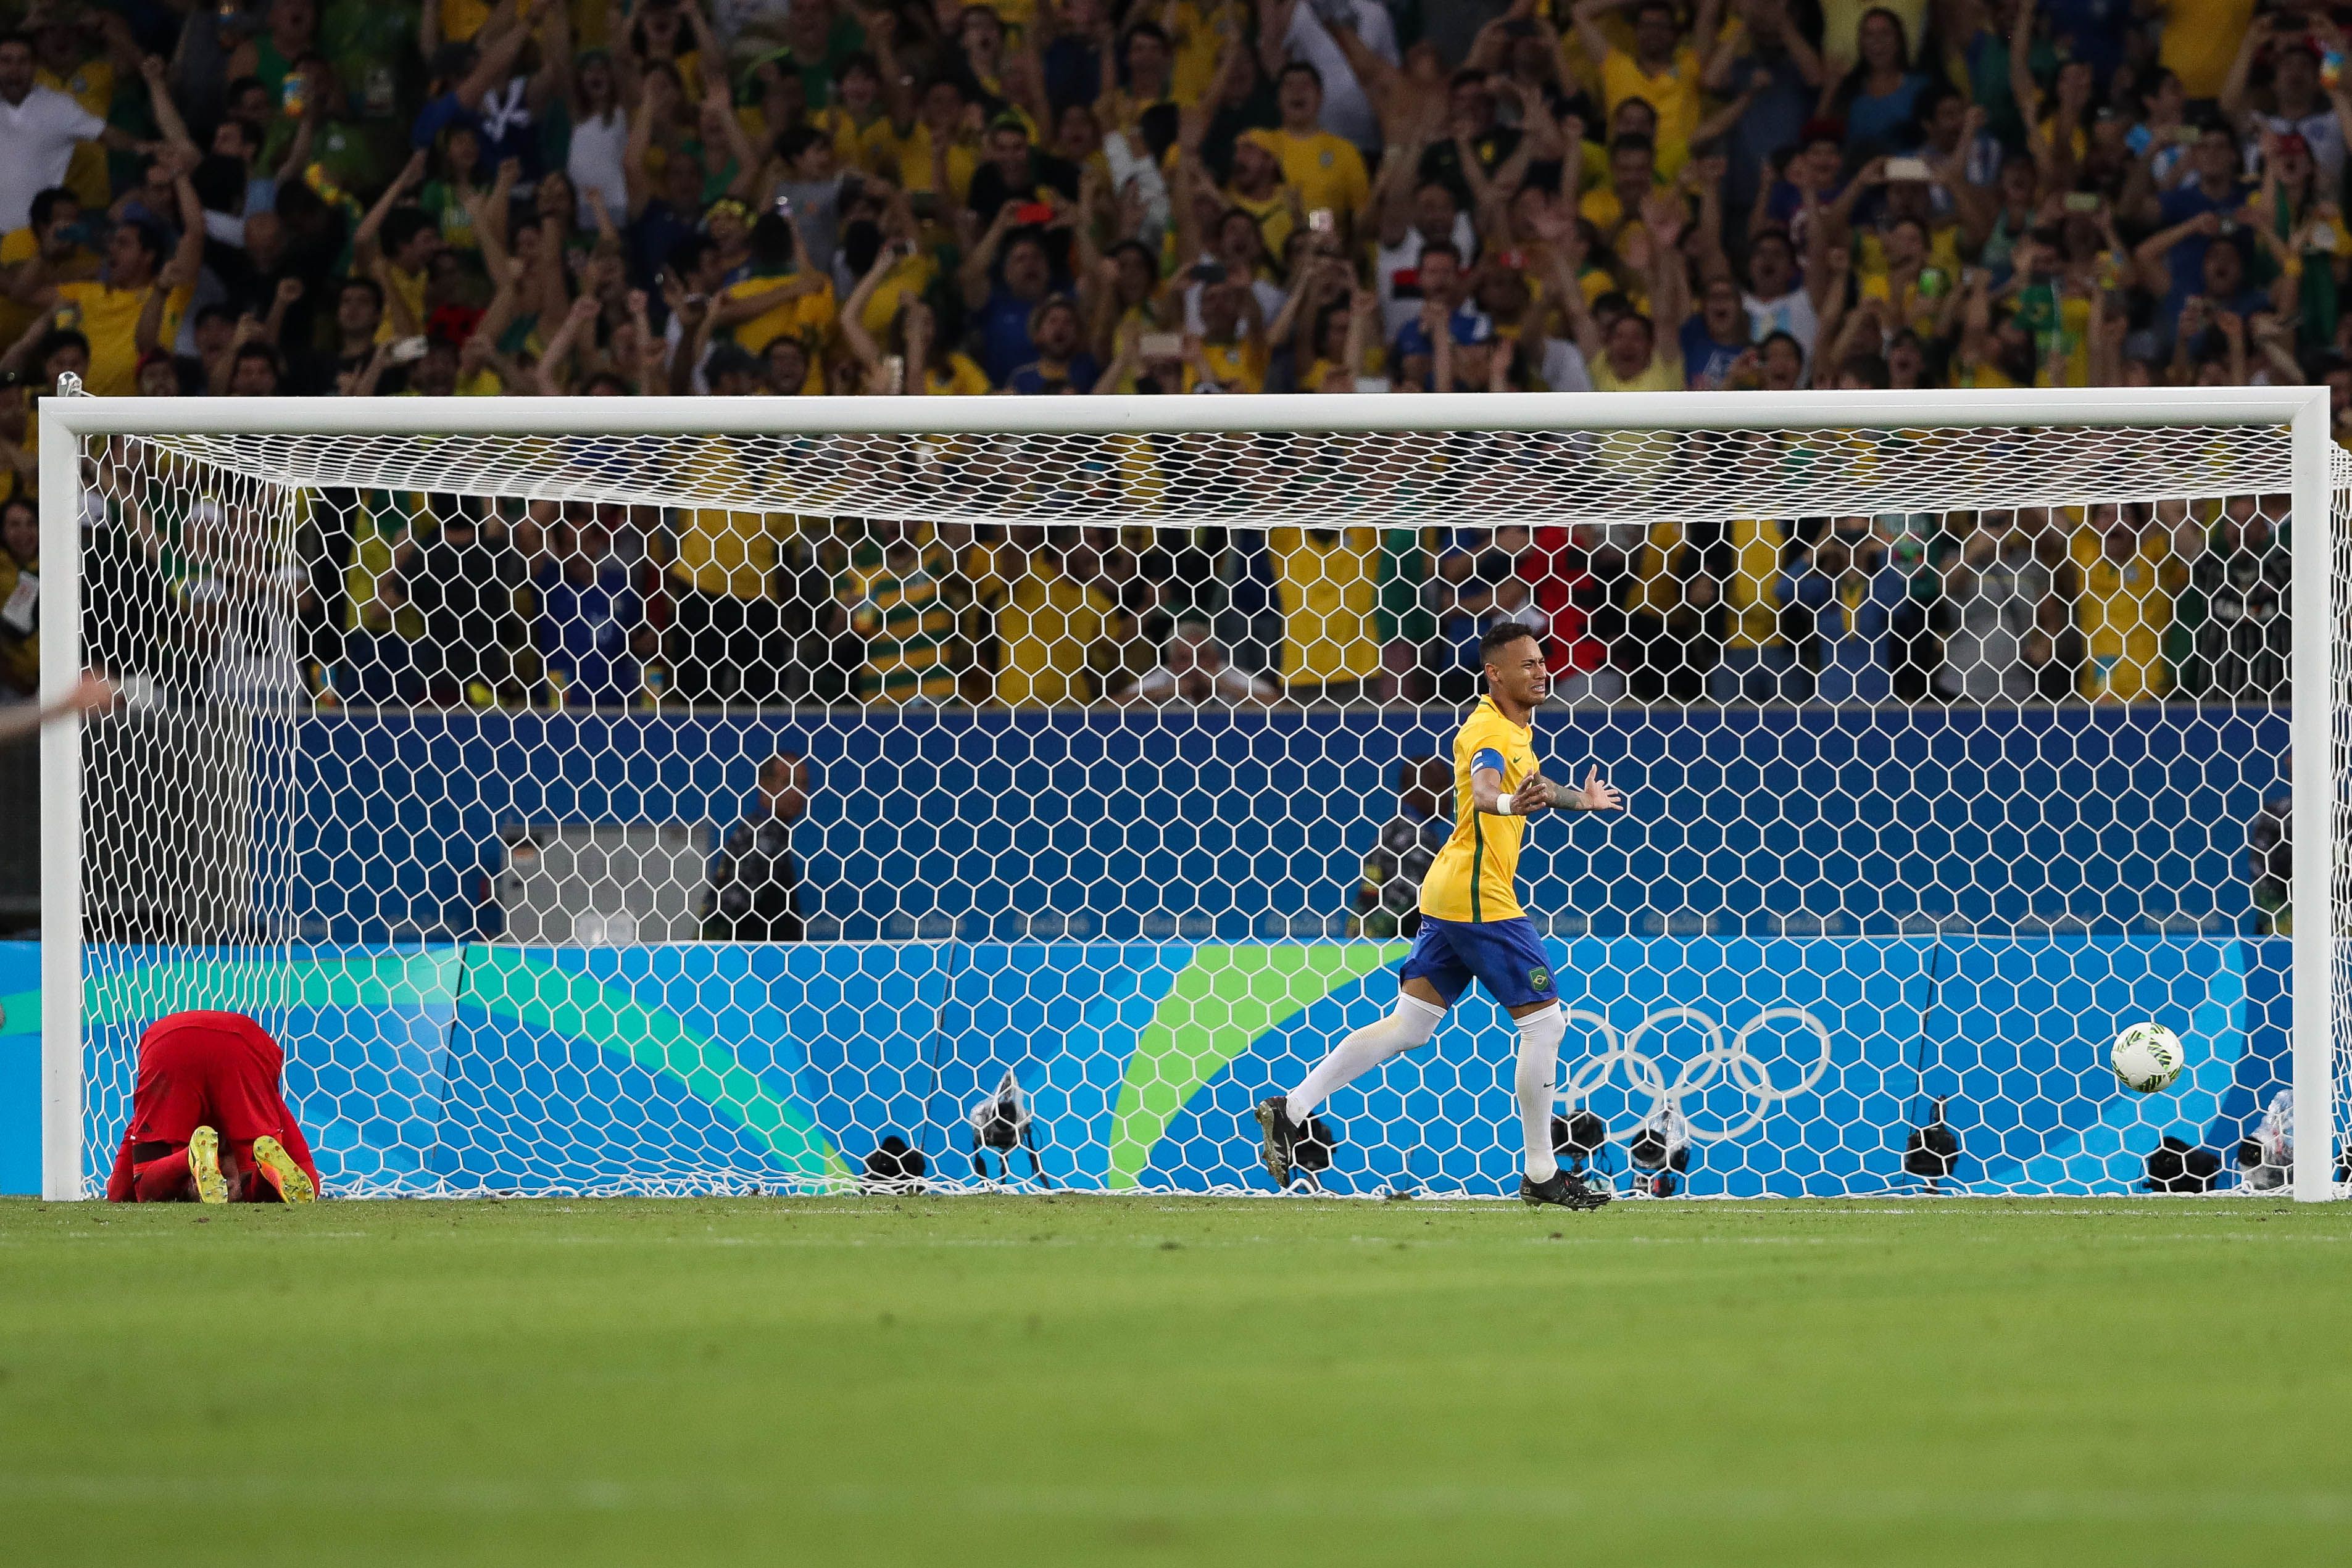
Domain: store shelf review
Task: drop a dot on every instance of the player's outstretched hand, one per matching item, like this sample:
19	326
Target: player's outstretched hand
1533	795
1598	795
93	693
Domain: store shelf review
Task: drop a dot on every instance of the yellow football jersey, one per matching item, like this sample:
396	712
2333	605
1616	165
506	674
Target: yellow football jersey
1473	876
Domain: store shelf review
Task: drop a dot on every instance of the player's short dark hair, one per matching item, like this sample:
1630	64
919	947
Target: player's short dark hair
1501	635
358	280
1300	68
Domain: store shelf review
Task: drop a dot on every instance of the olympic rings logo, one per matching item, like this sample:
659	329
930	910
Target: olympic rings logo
1722	1061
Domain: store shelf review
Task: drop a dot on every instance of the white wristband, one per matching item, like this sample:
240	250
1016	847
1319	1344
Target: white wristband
1506	803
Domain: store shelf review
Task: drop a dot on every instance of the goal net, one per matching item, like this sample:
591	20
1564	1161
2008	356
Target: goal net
820	794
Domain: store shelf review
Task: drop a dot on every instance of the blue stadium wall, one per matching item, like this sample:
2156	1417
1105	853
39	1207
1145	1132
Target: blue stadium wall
433	1067
998	828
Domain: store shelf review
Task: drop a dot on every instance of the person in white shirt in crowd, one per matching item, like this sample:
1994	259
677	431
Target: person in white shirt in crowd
600	136
2297	103
1301	30
39	128
1778	297
1193	670
1501	293
1412	213
2003	612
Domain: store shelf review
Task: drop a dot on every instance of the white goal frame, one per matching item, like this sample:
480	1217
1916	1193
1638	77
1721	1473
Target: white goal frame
65	421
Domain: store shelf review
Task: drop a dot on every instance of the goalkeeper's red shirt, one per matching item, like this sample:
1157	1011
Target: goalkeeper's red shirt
207	1070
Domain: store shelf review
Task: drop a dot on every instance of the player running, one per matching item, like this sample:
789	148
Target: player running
1472	925
206	1080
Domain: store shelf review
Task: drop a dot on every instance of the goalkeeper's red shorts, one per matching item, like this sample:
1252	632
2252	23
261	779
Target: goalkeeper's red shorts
207	1070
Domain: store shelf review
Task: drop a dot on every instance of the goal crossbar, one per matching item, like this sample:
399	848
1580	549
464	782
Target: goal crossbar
1256	462
2097	407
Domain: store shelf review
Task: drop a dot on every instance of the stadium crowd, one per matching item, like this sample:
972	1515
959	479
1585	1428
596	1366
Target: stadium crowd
922	197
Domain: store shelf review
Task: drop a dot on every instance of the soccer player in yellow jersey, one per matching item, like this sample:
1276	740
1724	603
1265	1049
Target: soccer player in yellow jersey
1471	926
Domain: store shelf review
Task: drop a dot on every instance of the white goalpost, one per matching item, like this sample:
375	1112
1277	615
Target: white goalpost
668	795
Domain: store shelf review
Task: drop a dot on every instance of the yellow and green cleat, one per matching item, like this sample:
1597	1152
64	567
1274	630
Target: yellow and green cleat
276	1165
204	1164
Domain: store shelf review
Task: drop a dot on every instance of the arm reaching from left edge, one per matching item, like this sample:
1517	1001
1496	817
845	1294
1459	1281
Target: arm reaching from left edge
92	694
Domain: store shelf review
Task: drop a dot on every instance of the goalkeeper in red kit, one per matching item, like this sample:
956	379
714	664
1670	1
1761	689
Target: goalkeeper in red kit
208	1122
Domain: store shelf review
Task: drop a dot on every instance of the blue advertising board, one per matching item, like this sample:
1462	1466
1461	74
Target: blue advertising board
1800	1065
1150	827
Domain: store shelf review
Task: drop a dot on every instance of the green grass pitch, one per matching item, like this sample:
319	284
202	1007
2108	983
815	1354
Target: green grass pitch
952	1382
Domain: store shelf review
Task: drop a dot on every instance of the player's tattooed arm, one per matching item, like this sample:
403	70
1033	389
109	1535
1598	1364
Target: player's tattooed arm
1487	792
1597	795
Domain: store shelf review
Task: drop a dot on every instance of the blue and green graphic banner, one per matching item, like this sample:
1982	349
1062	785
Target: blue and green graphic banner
1801	1065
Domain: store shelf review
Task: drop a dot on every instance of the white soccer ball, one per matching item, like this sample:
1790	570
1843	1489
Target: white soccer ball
2147	1056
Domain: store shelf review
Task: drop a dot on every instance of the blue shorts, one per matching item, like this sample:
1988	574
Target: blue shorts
1505	957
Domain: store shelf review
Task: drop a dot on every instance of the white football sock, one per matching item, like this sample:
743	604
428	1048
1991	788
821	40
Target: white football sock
1409	1024
1537	1082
